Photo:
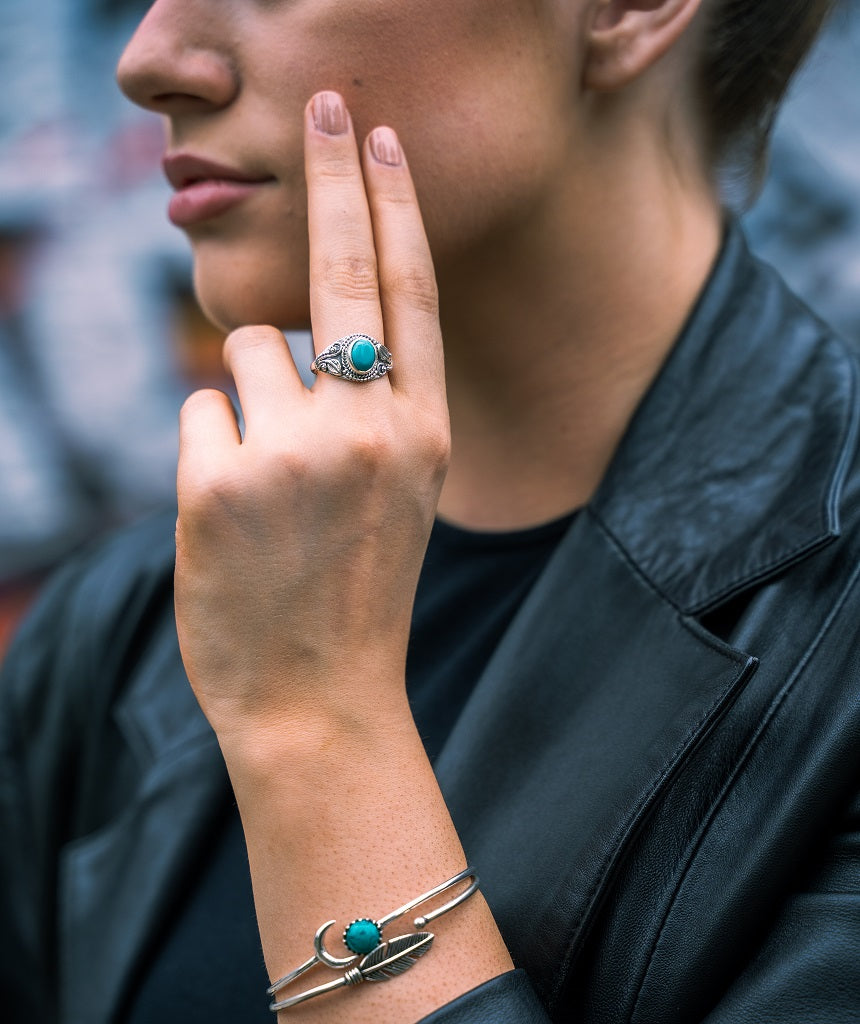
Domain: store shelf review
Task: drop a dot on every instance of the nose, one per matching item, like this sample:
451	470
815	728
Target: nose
177	61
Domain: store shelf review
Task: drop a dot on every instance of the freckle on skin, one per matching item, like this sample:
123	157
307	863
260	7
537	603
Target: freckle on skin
358	82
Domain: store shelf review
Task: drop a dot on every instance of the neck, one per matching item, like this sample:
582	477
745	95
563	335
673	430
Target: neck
554	332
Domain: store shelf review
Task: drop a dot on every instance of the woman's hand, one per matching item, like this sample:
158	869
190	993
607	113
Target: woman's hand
298	552
299	545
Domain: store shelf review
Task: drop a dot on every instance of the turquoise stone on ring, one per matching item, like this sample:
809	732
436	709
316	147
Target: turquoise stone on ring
362	936
362	355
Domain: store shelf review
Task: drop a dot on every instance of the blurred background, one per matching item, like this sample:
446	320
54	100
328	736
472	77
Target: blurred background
100	336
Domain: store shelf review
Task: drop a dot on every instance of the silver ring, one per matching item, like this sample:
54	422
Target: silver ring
356	357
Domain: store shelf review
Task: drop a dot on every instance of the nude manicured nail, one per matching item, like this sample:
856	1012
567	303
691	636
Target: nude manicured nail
385	148
330	114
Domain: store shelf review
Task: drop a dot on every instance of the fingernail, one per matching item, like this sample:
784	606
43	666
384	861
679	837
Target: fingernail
330	115
385	148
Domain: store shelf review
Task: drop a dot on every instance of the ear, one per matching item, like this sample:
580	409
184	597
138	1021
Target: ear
629	36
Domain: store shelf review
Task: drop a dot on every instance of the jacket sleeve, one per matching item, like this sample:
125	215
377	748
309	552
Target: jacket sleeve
27	749
56	688
508	999
808	968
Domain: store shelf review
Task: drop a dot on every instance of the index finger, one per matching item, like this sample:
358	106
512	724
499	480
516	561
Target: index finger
343	276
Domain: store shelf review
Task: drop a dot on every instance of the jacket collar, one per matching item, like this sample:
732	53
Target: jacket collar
724	477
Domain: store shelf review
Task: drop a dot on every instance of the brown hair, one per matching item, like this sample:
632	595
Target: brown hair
752	50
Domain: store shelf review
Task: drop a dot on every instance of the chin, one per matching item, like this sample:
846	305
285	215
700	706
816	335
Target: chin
228	311
234	291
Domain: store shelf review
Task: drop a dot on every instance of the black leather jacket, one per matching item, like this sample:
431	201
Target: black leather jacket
657	774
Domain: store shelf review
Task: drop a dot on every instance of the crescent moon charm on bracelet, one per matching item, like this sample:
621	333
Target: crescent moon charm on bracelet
380	959
323	954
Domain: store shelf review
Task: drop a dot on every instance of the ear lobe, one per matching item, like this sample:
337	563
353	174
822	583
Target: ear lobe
629	36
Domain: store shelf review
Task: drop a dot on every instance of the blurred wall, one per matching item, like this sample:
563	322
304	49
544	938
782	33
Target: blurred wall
807	219
100	338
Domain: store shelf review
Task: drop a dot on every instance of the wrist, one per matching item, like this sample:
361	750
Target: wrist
317	739
344	819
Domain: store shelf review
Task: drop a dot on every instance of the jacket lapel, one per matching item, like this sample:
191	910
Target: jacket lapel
734	464
606	683
120	884
597	694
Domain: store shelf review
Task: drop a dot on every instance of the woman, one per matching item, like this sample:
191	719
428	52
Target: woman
631	656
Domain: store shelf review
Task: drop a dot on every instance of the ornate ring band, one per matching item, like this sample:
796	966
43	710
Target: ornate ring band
356	357
381	959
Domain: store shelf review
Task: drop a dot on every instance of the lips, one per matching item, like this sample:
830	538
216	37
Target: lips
206	189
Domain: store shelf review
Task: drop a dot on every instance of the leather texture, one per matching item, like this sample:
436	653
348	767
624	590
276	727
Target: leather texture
508	998
657	774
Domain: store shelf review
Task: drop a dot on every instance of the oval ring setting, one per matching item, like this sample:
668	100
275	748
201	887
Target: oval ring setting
356	357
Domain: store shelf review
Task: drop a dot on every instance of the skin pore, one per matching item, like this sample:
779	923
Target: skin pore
556	156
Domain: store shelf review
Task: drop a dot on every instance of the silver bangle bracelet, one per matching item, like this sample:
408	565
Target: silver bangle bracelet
380	959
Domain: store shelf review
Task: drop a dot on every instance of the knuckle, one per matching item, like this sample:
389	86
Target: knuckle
437	447
366	450
351	275
245	339
196	402
398	195
370	449
413	284
335	168
205	497
199	410
288	467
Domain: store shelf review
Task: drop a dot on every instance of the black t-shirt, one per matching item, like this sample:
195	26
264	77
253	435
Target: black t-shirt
209	965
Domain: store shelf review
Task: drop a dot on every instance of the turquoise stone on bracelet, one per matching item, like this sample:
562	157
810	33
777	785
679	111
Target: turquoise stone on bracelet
362	355
362	936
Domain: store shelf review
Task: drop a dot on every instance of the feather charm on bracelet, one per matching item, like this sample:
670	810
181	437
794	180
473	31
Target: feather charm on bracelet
395	956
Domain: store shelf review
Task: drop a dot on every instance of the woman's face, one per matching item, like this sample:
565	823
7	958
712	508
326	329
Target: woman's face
480	93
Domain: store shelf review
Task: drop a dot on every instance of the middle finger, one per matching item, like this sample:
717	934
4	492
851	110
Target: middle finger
344	283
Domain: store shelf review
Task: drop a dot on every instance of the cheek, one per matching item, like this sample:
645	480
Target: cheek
481	120
262	281
481	164
473	98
